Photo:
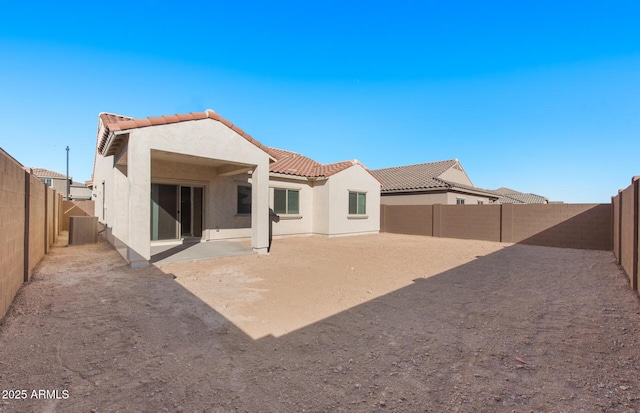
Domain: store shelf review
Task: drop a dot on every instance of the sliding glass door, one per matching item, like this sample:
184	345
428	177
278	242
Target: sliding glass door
191	211
176	211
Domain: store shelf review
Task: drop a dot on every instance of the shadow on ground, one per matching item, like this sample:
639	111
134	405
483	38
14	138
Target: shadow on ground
519	329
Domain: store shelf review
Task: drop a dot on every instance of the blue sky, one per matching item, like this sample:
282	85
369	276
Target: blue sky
542	97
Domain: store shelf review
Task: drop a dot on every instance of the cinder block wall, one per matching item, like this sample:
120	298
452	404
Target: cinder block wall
36	222
75	209
407	219
470	222
615	206
584	226
57	207
29	223
12	214
626	230
49	217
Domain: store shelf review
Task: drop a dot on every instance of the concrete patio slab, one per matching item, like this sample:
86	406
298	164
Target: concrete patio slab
195	251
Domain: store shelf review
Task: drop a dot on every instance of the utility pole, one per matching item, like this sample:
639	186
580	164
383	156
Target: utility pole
67	198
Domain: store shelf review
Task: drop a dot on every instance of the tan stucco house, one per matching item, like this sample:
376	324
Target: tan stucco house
442	182
197	176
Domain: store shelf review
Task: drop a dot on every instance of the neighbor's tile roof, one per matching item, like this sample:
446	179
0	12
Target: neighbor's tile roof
511	196
45	173
469	188
506	191
423	177
114	123
521	198
413	177
291	163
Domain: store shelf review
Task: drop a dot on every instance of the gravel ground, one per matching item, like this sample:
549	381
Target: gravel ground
358	324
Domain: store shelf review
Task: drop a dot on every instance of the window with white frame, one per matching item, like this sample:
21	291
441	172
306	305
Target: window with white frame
286	201
357	203
480	202
459	201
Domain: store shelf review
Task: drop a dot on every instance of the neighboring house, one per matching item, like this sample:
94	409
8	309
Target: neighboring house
55	180
511	196
79	191
197	176
58	181
443	182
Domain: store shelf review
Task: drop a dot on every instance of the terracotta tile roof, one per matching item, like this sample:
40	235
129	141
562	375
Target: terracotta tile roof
506	191
424	177
291	163
45	173
287	162
113	123
521	198
511	196
470	189
108	118
413	177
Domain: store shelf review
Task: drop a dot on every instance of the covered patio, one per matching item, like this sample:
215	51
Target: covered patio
170	181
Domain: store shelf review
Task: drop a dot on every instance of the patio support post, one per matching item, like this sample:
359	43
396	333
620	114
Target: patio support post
139	175
260	208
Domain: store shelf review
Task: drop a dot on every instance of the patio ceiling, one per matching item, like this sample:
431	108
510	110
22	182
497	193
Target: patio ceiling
224	168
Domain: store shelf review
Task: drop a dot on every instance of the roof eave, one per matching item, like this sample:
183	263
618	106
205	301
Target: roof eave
472	192
113	138
297	177
411	191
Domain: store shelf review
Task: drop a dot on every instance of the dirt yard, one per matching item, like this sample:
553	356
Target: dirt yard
359	324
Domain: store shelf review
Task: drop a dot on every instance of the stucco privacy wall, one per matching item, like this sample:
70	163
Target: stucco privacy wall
24	210
627	230
584	226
